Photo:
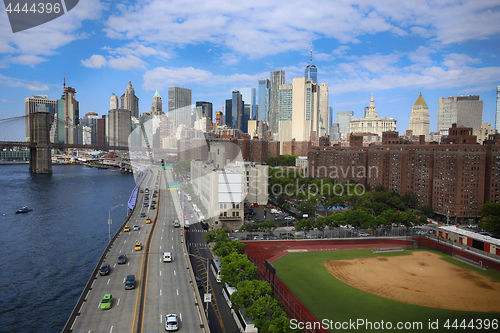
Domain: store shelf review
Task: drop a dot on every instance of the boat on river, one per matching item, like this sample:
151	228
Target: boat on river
25	209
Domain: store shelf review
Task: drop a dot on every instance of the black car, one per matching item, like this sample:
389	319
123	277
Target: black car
122	259
153	206
199	283
143	214
105	269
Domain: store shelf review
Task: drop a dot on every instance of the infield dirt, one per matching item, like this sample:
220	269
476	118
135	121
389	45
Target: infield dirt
421	278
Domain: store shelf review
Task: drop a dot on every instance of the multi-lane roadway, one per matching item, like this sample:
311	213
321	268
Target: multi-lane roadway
162	288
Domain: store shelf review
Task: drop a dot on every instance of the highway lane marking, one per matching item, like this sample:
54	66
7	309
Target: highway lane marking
161	238
125	241
118	302
120	251
114	265
160	292
108	281
111	329
180	315
174	273
160	273
124	280
177	292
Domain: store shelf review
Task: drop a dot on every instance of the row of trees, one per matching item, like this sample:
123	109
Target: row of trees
253	297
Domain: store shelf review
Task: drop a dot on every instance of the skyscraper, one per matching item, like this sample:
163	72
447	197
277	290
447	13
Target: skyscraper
322	122
311	72
31	104
344	120
264	100
129	101
460	110
204	109
497	113
156	105
228	119
237	110
419	117
277	79
305	109
248	95
113	102
285	112
68	116
179	105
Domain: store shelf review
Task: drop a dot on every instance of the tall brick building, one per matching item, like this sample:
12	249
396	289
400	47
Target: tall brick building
454	178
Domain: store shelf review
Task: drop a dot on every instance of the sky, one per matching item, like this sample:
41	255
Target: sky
394	49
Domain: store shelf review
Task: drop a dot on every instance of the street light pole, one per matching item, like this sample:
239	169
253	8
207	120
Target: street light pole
110	222
208	260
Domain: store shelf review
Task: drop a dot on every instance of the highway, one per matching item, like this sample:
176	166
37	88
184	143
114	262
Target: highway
167	285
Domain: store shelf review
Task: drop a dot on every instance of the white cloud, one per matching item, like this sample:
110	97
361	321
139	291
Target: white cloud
27	59
95	61
47	38
137	49
380	72
455	60
7	101
162	78
229	59
30	85
127	62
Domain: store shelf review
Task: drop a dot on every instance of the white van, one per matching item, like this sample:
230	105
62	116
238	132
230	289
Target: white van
186	224
167	256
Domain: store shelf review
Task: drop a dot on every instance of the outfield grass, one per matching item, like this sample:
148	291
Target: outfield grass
329	298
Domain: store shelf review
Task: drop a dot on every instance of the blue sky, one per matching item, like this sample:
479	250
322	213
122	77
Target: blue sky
394	49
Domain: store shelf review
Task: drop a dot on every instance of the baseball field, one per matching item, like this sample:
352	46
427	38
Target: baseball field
411	286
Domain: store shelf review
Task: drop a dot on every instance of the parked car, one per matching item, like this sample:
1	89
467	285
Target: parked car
105	269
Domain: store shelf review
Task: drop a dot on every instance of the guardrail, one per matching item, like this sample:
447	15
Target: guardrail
68	327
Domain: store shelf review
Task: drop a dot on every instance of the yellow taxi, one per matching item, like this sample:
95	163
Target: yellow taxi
126	229
138	246
148	220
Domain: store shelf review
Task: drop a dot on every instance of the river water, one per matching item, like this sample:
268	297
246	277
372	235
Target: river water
47	255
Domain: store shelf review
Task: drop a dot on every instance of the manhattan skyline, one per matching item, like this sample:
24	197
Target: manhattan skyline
391	49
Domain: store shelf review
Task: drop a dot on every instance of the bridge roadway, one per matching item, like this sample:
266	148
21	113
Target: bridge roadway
168	285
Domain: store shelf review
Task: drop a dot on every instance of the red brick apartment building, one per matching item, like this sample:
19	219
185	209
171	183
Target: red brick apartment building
455	177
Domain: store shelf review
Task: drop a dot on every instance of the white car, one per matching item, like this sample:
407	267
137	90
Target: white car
171	323
136	228
167	257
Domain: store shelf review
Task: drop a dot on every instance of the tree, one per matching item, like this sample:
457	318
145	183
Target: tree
236	267
491	217
410	200
227	248
249	291
305	225
217	236
427	210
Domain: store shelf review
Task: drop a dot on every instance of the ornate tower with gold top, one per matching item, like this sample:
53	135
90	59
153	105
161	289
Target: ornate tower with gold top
419	118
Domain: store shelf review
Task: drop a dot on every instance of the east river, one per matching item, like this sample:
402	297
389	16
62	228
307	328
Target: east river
48	254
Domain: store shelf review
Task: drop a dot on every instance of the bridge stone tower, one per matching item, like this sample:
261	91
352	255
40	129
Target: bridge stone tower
40	154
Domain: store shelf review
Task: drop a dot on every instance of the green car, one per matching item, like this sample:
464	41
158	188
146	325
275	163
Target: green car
106	302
